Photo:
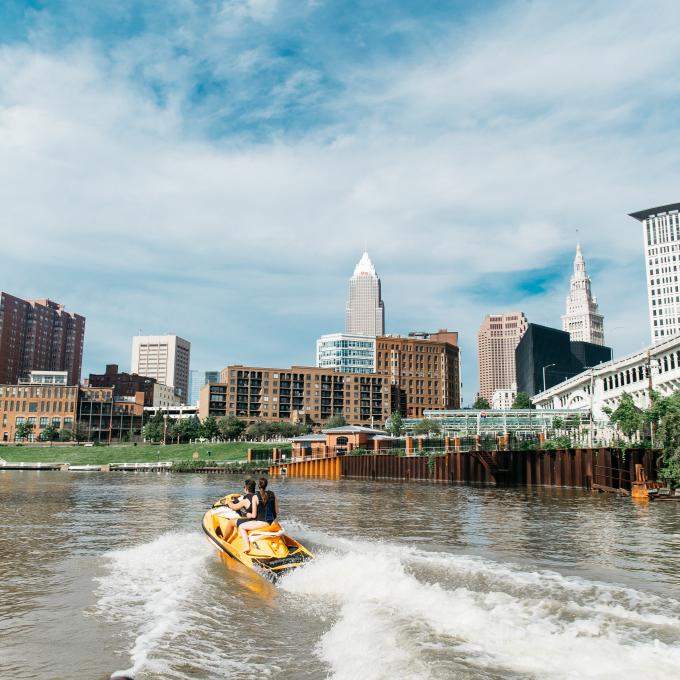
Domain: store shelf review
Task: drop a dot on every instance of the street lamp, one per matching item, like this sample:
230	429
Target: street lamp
547	366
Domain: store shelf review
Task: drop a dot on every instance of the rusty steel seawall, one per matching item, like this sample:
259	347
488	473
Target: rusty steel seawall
580	468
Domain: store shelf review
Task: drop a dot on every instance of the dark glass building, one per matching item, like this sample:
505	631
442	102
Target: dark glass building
547	354
587	354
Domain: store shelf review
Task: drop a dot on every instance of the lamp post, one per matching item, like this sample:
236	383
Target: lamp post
547	366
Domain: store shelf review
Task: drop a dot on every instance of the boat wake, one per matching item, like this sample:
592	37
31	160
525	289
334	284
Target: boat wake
413	613
377	610
146	590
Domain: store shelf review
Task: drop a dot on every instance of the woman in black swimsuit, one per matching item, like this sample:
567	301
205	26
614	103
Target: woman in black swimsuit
267	511
246	507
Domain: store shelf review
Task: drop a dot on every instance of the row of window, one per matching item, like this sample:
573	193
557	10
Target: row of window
18	406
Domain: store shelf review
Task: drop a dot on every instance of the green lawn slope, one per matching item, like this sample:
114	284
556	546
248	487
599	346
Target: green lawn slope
142	453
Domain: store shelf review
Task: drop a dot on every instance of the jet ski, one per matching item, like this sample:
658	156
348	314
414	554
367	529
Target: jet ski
272	552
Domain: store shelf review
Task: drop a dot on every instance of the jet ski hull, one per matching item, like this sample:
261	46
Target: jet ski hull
272	552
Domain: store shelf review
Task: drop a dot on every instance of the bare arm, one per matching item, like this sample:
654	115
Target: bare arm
237	506
276	506
252	513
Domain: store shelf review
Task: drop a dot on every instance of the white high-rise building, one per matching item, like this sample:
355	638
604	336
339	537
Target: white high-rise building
346	353
582	321
164	357
365	311
661	230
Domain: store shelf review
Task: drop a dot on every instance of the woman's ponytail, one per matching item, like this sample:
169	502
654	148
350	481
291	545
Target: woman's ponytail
262	485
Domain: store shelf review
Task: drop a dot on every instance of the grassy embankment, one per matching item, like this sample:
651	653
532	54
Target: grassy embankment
142	453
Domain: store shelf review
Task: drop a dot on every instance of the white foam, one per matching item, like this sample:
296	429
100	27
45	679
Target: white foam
497	617
146	589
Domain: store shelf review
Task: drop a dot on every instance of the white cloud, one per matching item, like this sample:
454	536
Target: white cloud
481	156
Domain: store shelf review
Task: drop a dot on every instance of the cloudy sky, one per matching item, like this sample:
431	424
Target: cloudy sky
214	169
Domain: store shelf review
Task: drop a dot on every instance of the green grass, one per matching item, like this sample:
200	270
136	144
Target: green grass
142	453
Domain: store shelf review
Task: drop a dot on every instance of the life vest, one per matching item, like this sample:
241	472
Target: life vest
266	512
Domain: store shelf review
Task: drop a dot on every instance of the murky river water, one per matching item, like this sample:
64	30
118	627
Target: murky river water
102	572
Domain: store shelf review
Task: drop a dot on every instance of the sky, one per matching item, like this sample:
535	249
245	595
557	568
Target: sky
215	169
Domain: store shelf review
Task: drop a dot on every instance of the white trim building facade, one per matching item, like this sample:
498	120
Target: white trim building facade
656	367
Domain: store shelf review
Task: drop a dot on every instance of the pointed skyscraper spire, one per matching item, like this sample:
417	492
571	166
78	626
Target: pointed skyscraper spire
582	319
365	312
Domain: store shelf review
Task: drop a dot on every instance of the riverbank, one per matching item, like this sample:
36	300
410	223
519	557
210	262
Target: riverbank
142	453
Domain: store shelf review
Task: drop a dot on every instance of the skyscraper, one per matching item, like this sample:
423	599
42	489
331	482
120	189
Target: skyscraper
582	319
496	342
661	228
39	335
365	311
164	357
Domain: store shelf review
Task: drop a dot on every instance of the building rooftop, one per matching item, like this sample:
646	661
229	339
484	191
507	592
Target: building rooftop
644	214
309	438
352	429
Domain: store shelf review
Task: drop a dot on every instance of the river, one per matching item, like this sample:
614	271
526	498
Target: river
102	572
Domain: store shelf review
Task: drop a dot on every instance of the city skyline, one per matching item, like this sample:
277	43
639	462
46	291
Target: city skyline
229	213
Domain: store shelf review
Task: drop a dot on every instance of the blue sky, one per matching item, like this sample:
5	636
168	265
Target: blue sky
214	169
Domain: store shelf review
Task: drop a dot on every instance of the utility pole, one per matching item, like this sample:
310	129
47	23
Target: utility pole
592	401
649	397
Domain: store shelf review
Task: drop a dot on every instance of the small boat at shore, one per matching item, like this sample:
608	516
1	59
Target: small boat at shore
664	494
272	552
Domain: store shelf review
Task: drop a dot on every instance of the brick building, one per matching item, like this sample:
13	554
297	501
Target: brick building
297	394
412	374
423	370
99	415
128	384
39	335
124	384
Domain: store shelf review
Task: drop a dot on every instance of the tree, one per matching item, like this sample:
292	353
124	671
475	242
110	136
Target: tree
336	421
259	429
209	428
79	433
427	427
186	428
627	416
154	428
522	401
481	403
49	434
24	431
665	412
396	423
231	427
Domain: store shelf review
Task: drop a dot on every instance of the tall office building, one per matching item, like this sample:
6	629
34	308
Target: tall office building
423	370
365	311
661	230
497	339
195	386
582	320
346	353
164	357
197	380
39	335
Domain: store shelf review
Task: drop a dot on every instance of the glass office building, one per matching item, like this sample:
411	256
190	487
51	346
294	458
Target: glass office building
346	353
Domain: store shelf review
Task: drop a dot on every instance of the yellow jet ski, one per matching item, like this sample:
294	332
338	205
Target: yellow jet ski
272	552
